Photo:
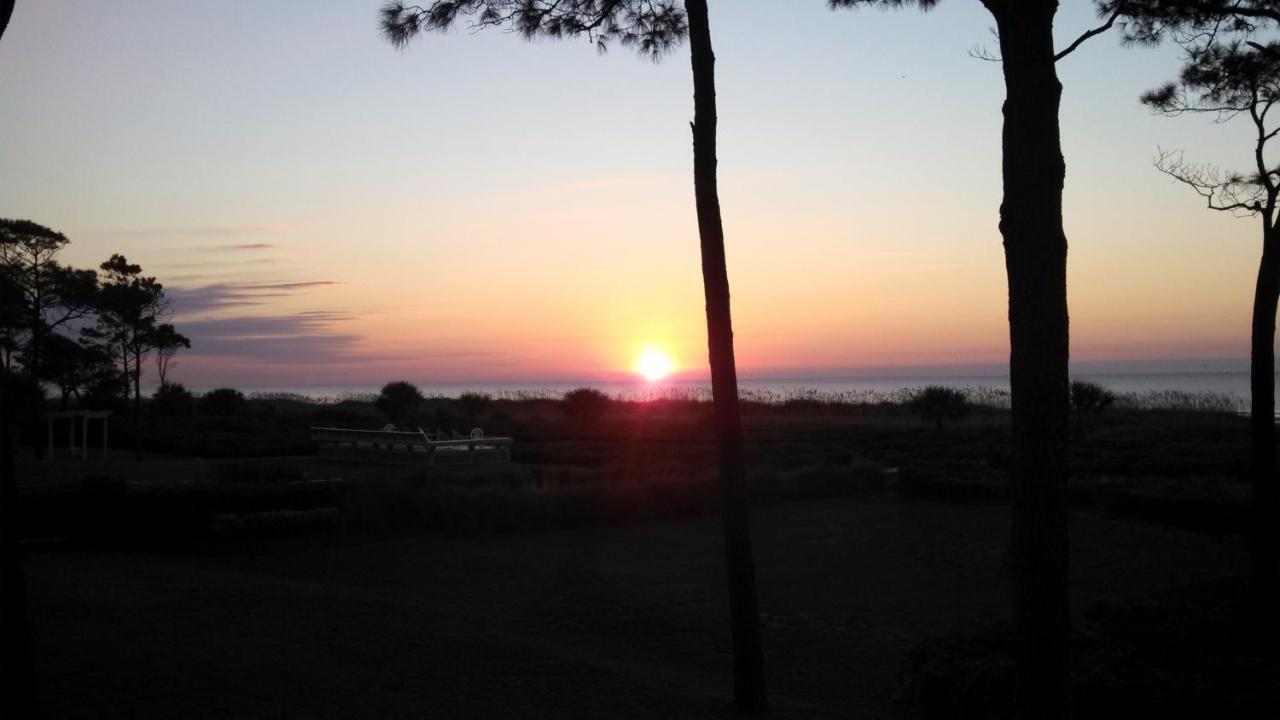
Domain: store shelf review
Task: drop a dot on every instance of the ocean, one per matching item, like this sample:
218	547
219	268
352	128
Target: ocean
1224	390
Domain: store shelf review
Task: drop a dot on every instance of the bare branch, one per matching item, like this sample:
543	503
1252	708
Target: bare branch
1090	33
1237	195
980	52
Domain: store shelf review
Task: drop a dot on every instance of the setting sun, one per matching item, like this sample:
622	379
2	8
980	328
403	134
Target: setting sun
653	363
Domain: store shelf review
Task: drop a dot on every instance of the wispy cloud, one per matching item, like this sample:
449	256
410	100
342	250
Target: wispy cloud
306	337
241	247
205	264
209	231
293	285
221	296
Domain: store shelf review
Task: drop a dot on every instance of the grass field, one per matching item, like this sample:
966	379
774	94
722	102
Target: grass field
607	622
233	573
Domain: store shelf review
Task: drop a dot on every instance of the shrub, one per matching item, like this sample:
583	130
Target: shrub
172	400
585	403
938	404
398	401
222	402
25	394
472	405
1088	398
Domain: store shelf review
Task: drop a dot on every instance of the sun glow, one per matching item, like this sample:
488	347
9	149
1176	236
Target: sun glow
653	363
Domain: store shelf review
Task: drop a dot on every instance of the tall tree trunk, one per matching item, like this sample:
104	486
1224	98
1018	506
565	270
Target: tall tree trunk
33	369
748	657
124	363
1262	382
137	405
17	660
128	381
6	12
1036	263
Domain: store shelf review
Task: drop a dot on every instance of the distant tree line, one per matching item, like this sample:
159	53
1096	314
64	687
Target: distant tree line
86	333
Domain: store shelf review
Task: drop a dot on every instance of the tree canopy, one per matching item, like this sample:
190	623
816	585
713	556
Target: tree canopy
650	27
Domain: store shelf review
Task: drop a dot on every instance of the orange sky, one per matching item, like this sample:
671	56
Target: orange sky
326	210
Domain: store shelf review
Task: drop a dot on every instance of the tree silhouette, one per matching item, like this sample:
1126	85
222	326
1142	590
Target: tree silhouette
17	661
652	28
1229	73
130	307
399	401
6	12
1196	22
167	341
1035	247
49	294
72	366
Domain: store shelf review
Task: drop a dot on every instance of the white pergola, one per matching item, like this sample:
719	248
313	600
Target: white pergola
84	416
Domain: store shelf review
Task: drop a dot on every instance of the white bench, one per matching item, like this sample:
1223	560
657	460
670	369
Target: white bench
398	447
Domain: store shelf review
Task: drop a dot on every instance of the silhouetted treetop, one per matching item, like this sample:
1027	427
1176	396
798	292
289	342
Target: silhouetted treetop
651	27
1230	70
6	12
1226	79
1219	77
922	4
1149	21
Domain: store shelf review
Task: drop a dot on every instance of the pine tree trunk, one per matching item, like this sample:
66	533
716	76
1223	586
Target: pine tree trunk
124	363
1262	381
17	662
33	361
1036	263
33	370
137	405
6	12
748	657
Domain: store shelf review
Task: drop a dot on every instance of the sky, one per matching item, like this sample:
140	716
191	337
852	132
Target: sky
327	210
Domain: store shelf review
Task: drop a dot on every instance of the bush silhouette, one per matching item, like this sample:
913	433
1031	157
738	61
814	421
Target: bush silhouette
222	402
398	401
585	403
938	405
1088	399
172	400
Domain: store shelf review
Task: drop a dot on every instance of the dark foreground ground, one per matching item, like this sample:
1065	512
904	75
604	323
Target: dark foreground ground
612	622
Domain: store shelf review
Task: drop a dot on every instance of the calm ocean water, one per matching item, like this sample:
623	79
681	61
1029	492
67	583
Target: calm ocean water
1220	385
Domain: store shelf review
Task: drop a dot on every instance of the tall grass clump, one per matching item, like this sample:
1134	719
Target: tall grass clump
1087	399
938	405
472	405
